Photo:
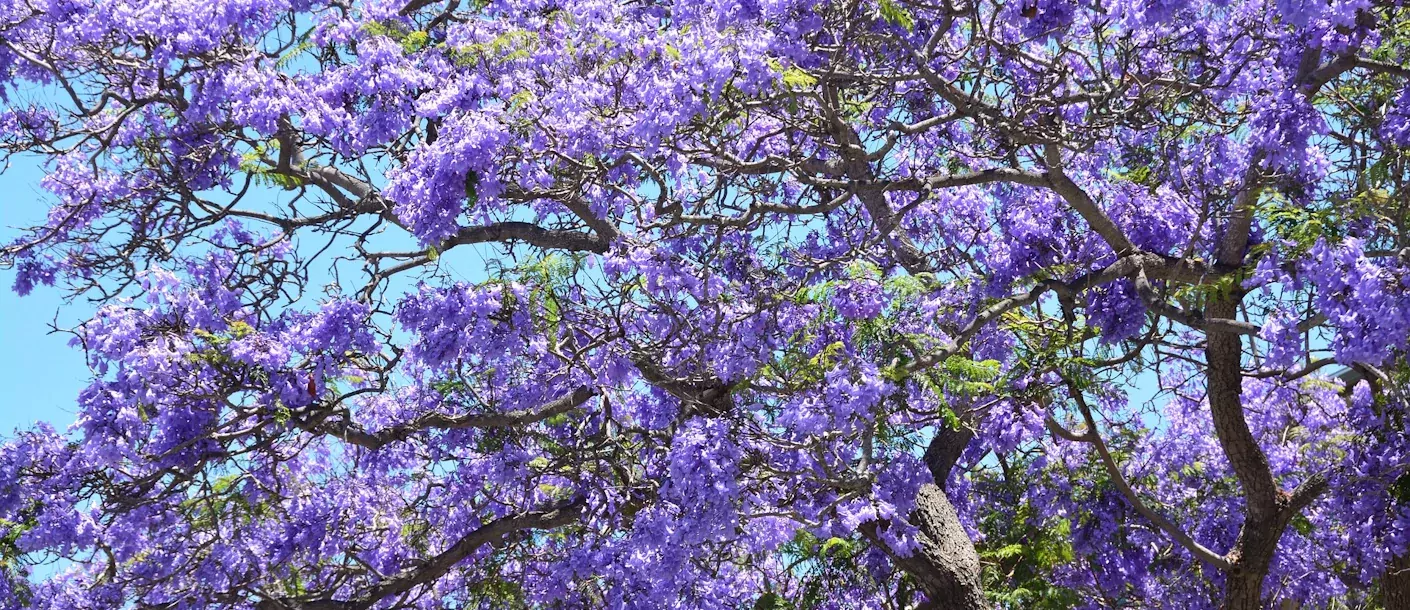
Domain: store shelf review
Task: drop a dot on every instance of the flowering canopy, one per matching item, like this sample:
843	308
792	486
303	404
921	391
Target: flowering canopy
784	303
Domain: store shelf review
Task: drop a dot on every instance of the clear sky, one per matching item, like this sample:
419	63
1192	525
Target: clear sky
40	375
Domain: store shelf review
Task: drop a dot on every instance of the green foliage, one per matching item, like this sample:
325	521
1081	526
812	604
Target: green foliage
220	501
1141	174
305	45
212	347
909	287
11	558
1301	524
772	601
10	533
1301	225
261	174
292	583
1193	297
817	563
956	376
546	279
798	79
498	592
410	41
1019	553
509	46
520	99
415	41
895	14
472	186
793	77
450	387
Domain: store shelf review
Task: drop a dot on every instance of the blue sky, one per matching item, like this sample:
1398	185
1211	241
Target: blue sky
40	375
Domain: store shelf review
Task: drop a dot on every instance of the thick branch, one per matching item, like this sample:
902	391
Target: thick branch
1153	265
355	434
433	569
1083	203
530	234
1188	318
944	451
490	533
1223	357
945	564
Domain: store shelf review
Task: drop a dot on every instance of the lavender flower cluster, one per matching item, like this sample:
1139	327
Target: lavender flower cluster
716	303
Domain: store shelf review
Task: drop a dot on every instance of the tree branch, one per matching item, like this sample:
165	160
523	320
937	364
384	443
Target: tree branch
433	569
530	234
1083	203
1094	437
355	434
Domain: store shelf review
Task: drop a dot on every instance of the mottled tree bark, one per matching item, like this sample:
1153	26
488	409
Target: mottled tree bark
946	565
1267	509
1253	551
1395	584
944	452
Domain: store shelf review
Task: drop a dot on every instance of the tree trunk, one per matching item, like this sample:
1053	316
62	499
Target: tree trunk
1266	509
1243	591
945	566
1395	584
945	451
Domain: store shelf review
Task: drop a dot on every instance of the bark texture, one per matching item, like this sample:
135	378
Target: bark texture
946	565
1395	585
950	572
1243	584
1268	509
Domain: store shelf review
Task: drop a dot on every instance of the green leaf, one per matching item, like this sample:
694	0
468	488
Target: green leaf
414	42
520	99
1301	524
771	601
798	79
289	56
472	184
1004	552
896	15
838	547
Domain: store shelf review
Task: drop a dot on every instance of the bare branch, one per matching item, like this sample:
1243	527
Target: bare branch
355	434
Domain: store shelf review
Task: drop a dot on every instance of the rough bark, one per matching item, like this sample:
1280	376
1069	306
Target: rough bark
428	572
1223	354
1267	509
1243	584
946	565
1395	584
950	574
944	451
1243	592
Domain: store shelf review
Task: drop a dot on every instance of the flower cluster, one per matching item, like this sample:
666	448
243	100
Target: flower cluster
716	304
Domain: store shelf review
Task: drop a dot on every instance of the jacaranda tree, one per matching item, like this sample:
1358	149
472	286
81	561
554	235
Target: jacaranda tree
710	304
